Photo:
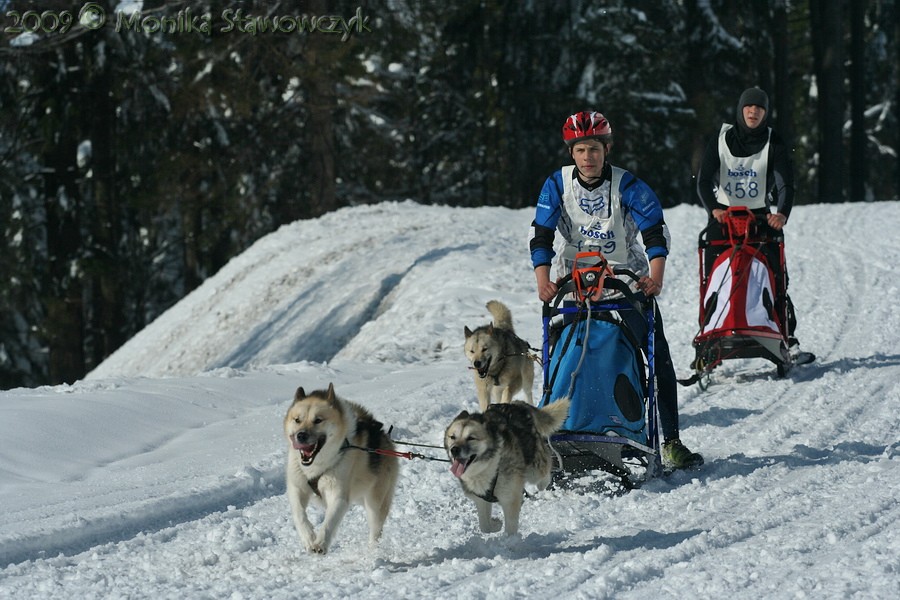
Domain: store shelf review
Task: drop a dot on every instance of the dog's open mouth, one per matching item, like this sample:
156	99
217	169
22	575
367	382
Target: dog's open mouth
308	451
458	467
483	367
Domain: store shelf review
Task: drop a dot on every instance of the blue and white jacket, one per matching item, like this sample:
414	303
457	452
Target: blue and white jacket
605	216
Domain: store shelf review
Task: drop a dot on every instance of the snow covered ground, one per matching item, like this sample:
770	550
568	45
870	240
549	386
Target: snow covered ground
160	475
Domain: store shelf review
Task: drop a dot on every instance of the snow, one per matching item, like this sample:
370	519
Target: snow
160	475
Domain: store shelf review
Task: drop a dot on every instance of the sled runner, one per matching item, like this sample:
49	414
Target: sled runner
744	311
593	357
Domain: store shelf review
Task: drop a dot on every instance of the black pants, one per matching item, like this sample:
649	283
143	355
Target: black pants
666	382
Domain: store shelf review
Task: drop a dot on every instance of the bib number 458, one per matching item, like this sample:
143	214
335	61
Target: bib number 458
740	189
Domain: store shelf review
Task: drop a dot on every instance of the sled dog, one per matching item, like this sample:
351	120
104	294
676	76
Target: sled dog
328	462
495	453
499	358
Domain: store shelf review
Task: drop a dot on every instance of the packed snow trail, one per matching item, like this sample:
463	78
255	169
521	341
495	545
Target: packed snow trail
161	474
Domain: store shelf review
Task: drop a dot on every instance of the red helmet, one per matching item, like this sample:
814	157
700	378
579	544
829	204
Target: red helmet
586	125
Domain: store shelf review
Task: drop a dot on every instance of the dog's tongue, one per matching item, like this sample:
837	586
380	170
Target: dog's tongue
458	467
304	448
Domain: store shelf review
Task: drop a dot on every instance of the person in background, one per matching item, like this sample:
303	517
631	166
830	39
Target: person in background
748	164
599	207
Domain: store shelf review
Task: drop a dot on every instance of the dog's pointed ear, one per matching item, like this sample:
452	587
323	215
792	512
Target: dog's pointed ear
463	415
491	328
467	331
300	394
330	395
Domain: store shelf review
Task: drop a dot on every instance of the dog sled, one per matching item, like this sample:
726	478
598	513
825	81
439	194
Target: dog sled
592	357
744	310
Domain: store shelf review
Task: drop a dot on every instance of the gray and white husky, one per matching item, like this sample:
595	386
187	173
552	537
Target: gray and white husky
328	462
495	453
500	358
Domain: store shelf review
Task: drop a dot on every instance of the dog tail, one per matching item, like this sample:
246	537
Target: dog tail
501	314
551	417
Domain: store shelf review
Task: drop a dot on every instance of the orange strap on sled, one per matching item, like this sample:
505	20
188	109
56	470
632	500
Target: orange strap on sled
589	279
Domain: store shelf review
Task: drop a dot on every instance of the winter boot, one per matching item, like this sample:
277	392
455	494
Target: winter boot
678	456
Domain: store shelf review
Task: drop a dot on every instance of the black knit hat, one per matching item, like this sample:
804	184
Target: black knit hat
756	97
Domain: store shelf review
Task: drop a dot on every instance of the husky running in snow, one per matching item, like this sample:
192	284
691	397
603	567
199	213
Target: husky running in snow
328	462
500	359
495	453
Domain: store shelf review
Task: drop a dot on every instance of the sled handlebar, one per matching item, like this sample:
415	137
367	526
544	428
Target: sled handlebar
741	225
627	272
614	284
565	285
616	271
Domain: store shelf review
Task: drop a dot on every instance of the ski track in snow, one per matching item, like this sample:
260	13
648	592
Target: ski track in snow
797	497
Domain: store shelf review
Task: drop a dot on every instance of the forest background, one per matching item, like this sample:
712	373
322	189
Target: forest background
144	144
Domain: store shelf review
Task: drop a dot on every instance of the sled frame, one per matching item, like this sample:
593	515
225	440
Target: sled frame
715	347
582	451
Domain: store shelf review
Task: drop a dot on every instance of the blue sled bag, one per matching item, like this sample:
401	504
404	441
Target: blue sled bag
600	368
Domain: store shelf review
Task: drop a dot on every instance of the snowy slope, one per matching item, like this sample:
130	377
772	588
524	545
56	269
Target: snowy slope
160	475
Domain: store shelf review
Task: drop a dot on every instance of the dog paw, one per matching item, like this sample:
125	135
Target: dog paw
316	549
493	526
317	546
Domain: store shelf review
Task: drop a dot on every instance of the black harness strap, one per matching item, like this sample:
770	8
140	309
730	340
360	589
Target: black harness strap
488	496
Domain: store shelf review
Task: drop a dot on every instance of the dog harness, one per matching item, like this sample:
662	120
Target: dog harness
314	482
488	496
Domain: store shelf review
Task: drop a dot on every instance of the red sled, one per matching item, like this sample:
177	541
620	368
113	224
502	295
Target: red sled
742	313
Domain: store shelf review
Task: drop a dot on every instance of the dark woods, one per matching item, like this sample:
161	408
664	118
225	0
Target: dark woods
141	149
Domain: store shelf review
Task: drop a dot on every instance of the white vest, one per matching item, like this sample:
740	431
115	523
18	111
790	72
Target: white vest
596	223
742	179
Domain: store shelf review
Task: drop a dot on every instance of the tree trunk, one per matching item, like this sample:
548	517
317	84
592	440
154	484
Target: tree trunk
63	326
320	162
108	274
858	175
827	55
783	106
321	56
897	97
